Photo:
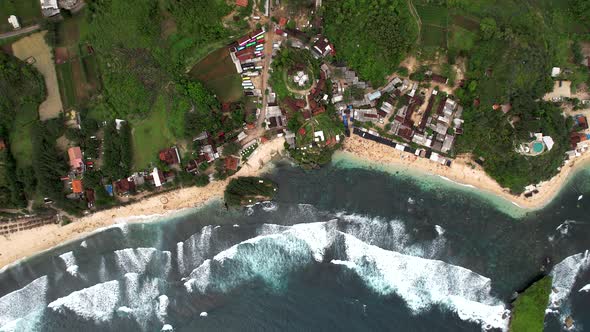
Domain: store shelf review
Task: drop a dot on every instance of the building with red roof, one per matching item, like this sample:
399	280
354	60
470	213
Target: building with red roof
77	187
124	186
231	163
170	156
242	3
283	21
75	156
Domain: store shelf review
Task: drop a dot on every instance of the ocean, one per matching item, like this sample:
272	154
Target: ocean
348	247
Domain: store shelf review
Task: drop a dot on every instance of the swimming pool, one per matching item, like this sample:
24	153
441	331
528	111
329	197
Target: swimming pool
538	147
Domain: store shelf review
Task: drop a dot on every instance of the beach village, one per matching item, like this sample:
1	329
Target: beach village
279	80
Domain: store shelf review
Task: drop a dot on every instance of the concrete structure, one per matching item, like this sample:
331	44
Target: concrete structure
14	22
49	8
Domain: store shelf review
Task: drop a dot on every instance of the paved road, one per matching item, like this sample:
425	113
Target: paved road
21	31
268	40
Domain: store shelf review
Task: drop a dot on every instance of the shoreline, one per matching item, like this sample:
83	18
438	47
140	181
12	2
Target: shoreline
17	247
463	172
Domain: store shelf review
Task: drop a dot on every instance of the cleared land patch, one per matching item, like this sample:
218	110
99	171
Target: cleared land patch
151	134
434	25
34	46
218	73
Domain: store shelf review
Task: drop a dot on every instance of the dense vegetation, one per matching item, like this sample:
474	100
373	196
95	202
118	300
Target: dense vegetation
117	147
371	36
511	64
528	313
16	77
248	190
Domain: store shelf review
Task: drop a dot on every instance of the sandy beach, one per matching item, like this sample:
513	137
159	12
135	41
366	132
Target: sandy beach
463	171
24	244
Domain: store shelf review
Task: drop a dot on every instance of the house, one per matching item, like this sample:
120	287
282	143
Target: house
49	8
124	186
242	3
170	156
77	187
439	79
555	71
373	96
14	22
75	156
283	21
156	177
580	120
322	47
447	143
231	163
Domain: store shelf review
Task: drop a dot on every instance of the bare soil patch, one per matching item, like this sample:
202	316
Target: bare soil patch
34	46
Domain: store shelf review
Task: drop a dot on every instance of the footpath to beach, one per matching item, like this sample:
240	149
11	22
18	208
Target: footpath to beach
24	244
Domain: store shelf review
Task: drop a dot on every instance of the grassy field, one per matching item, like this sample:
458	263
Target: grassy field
20	136
528	314
66	84
150	135
218	73
434	25
461	39
28	12
433	15
433	36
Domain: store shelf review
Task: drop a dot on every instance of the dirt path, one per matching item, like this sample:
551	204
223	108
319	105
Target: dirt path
19	32
414	13
34	46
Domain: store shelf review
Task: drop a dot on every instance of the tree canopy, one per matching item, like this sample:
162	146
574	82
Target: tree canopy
371	36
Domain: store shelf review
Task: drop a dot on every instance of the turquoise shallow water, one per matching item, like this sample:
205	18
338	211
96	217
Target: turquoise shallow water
343	248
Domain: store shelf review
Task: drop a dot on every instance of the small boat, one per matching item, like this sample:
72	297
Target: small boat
580	197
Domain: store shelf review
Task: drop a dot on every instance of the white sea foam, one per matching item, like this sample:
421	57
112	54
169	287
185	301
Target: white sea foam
423	283
457	183
564	276
73	270
21	302
163	303
132	296
194	250
95	303
137	260
124	311
269	206
439	230
68	258
420	282
391	234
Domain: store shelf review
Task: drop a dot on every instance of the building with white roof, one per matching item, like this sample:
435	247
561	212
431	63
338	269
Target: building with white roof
14	22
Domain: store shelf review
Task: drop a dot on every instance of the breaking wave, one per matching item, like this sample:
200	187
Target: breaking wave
421	283
564	276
